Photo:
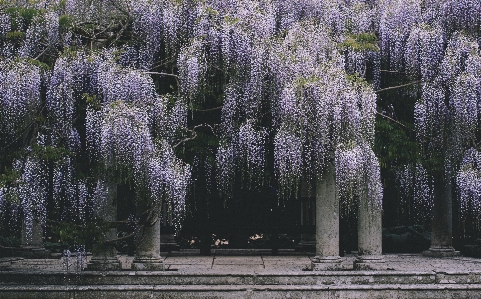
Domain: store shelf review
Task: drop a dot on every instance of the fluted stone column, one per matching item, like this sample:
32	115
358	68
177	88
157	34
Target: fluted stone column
327	223
104	256
369	237
442	225
147	254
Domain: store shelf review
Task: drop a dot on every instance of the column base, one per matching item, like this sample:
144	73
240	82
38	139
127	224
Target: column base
104	259
148	264
326	263
441	251
104	264
31	252
369	262
168	243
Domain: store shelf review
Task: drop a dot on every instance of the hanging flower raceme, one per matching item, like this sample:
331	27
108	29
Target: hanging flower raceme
121	84
464	102
288	159
459	49
99	196
468	181
424	51
325	109
460	14
168	181
397	18
251	145
192	66
41	36
32	190
416	192
125	139
69	83
226	167
358	175
20	85
147	24
430	116
93	129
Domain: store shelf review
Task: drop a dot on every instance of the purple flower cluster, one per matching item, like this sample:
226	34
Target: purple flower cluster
397	18
32	190
424	51
20	86
358	176
468	181
416	192
125	139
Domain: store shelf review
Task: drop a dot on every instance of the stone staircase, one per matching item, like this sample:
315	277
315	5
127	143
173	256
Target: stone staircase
246	277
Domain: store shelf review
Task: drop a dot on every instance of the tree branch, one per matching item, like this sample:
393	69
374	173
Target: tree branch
210	109
162	74
194	134
399	86
392	119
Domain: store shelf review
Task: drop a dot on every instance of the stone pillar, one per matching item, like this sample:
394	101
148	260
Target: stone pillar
369	237
104	256
147	253
32	240
32	237
442	225
327	222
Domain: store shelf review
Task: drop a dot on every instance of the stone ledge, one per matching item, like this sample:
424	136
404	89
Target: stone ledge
441	252
63	288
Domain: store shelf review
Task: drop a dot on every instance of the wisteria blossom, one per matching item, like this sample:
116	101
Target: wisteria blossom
416	192
468	181
20	88
94	93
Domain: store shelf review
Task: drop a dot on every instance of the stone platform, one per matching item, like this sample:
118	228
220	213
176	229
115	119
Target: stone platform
244	274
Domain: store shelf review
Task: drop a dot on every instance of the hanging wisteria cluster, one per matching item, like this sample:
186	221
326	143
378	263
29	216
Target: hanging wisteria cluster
32	192
280	68
115	89
20	87
468	181
358	176
437	42
416	192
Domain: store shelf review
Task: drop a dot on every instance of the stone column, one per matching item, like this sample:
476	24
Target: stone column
327	222
32	237
32	240
442	225
147	253
369	237
104	256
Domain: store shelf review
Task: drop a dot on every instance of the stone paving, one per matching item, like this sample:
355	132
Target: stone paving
244	274
261	262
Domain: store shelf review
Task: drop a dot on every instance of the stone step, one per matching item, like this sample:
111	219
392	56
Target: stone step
309	278
427	291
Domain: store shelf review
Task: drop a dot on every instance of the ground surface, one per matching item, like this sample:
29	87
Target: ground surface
251	262
244	274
